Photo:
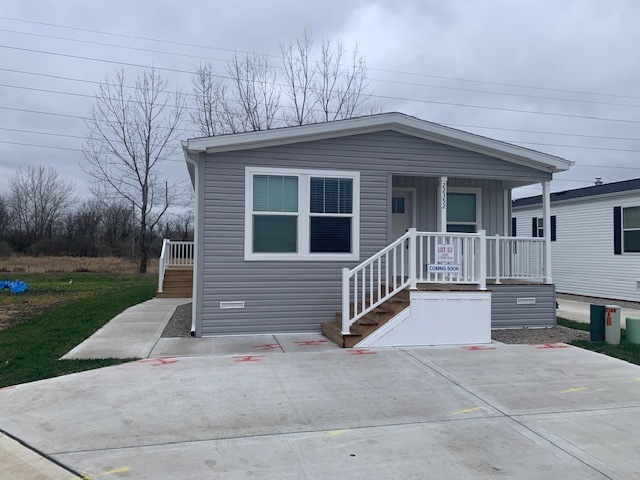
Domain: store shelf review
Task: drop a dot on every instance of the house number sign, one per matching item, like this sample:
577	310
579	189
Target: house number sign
444	253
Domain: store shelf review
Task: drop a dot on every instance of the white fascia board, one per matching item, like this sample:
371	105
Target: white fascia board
191	158
388	121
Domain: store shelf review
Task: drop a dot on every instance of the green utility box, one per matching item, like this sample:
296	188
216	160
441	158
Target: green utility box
596	323
633	330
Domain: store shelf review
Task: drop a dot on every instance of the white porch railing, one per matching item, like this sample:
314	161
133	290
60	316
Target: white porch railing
174	254
515	257
436	257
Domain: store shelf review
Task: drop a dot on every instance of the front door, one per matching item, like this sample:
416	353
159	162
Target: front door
401	212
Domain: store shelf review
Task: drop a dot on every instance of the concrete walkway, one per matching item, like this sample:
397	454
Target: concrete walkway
516	411
132	334
580	311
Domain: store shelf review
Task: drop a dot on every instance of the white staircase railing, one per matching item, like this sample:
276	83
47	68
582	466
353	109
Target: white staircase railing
174	254
515	257
416	257
437	257
377	279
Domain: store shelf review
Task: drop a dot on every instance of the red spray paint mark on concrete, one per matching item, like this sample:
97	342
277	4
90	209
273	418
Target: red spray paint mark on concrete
248	358
311	343
552	345
7	388
478	347
360	351
267	346
156	362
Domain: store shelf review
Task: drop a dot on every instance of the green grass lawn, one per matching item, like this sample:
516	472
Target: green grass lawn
625	351
60	311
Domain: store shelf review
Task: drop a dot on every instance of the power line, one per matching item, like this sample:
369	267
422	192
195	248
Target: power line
38	145
463	125
186	131
385	97
605	137
442	77
574	146
44	113
397	82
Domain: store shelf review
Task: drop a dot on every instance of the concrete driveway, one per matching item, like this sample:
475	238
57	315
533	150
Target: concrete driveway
525	412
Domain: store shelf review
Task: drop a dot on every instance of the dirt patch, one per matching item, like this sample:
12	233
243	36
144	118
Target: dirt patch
536	336
18	308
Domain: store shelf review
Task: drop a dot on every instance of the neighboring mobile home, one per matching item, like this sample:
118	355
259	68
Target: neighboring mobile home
386	219
595	238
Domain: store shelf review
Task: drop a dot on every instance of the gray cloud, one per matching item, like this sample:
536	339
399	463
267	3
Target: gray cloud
569	45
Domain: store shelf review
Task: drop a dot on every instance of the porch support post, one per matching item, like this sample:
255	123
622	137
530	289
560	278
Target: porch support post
546	215
413	281
346	310
442	205
496	259
482	260
506	195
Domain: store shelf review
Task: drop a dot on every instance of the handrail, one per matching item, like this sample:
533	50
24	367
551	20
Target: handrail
437	257
174	254
363	301
162	263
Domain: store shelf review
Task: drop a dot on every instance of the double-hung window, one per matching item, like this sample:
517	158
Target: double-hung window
631	229
301	214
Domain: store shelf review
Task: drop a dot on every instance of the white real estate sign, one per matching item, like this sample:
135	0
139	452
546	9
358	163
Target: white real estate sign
444	253
432	268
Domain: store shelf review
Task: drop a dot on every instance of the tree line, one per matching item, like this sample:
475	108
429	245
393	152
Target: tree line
41	215
133	129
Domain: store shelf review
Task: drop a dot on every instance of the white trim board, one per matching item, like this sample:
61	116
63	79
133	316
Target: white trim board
374	123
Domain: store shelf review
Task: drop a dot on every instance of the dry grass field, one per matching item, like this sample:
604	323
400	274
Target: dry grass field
42	264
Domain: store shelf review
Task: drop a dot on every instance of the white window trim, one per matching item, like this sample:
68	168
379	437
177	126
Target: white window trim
624	251
478	193
304	215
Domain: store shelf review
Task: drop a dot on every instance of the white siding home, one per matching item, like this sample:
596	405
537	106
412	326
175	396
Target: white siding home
378	230
595	238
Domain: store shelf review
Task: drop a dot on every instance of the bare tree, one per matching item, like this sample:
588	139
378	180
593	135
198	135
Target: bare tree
38	198
255	93
299	75
4	218
342	90
210	98
131	132
324	86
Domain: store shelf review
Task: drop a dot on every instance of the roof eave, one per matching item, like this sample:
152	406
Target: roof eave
389	121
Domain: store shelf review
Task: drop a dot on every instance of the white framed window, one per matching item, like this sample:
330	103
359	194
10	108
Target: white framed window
464	209
631	229
295	214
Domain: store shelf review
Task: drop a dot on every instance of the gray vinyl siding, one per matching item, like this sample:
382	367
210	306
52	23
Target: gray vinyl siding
297	296
493	192
506	313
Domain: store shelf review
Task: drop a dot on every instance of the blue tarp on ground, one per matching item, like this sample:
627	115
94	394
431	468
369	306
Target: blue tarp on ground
17	286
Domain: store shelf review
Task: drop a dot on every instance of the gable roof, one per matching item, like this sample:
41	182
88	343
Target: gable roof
592	191
398	122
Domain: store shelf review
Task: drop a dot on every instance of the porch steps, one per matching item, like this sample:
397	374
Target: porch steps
368	324
178	283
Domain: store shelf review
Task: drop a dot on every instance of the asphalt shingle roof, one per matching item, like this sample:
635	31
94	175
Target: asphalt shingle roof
592	191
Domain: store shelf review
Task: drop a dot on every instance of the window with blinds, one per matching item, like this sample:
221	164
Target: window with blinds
301	214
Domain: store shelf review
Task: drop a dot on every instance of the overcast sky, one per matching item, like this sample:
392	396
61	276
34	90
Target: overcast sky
559	76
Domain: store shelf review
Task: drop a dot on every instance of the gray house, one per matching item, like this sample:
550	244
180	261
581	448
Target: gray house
384	230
